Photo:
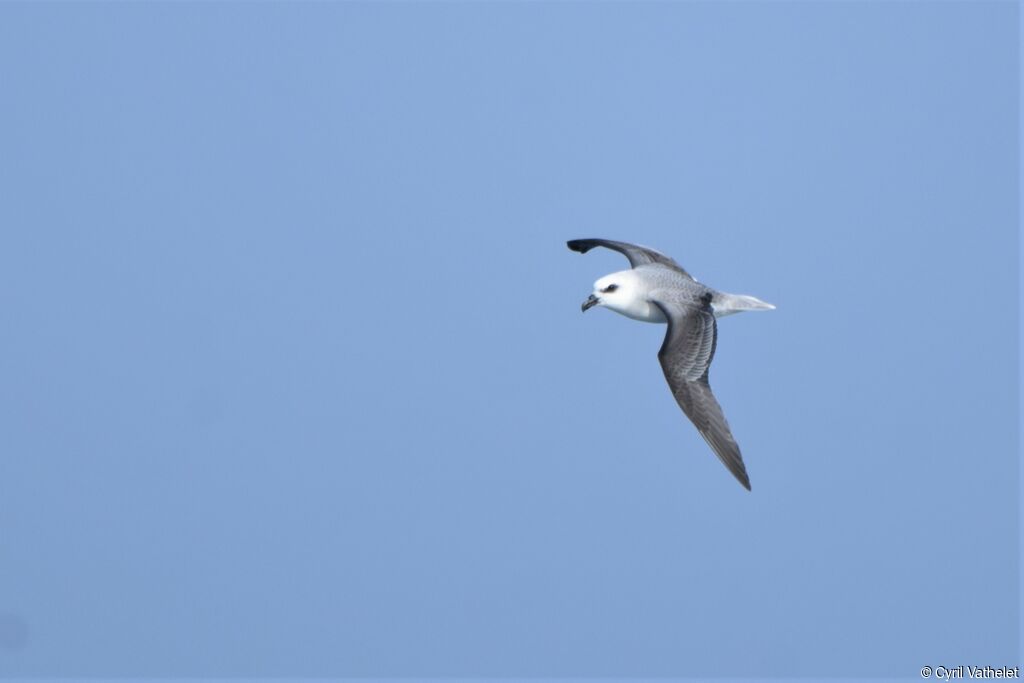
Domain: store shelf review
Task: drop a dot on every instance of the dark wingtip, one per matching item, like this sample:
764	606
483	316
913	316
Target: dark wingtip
582	246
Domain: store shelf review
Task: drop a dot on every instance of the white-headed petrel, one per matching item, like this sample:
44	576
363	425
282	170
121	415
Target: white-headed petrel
656	289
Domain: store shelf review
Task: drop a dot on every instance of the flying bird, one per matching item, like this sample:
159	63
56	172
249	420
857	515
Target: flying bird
656	289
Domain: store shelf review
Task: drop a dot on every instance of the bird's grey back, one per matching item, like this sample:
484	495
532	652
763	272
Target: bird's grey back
671	286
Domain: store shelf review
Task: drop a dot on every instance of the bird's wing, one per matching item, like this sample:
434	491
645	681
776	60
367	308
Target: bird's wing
637	255
685	357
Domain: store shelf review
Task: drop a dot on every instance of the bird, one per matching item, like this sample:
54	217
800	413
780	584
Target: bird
656	289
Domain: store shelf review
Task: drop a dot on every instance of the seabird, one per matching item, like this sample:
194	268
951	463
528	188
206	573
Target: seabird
656	289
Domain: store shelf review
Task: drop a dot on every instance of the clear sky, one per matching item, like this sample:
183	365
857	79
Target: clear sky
294	379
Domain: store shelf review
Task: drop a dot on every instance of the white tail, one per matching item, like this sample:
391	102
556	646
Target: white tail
727	304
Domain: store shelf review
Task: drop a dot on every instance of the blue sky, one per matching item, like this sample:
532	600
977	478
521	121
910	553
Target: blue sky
295	381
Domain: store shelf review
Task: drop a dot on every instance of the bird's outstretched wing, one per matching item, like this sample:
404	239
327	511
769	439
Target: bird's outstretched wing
685	357
637	255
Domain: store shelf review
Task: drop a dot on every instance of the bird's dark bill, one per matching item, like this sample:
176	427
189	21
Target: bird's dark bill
590	303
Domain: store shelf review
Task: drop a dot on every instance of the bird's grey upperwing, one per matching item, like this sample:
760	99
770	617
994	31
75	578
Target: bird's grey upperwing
636	254
685	358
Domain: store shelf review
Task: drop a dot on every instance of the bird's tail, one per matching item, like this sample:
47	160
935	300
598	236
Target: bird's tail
727	304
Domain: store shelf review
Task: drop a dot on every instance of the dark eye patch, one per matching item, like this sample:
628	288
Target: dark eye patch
609	289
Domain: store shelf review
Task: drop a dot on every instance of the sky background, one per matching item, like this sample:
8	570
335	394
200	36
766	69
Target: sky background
294	379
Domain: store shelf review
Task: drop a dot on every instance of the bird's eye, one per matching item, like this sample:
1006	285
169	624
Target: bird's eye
609	289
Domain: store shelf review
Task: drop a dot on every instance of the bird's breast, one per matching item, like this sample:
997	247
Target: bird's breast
641	310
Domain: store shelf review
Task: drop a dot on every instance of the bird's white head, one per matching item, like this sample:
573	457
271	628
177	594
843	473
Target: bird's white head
624	292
